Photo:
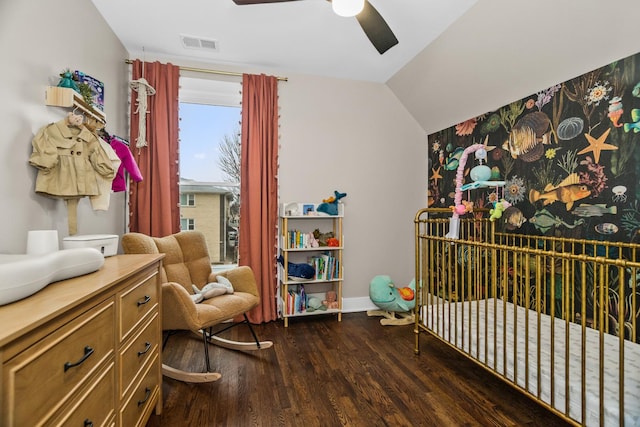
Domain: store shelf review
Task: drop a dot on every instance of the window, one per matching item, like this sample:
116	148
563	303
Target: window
187	199
187	224
210	163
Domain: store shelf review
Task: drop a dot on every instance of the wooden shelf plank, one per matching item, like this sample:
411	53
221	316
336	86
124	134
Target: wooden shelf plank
67	97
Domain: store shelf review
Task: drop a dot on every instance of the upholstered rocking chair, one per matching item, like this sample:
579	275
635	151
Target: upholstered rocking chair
187	263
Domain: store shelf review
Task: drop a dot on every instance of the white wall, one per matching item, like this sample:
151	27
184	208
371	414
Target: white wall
355	137
503	50
38	40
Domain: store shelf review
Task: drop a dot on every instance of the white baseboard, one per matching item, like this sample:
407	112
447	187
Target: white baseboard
353	305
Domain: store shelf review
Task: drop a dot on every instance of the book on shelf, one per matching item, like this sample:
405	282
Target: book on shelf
326	266
297	239
296	301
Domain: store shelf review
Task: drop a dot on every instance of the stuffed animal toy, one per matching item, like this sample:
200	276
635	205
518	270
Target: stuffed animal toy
324	239
312	242
392	300
330	205
210	290
331	301
333	242
302	270
498	209
68	79
314	303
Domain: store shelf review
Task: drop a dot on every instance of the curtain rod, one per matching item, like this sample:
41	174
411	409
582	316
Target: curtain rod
208	71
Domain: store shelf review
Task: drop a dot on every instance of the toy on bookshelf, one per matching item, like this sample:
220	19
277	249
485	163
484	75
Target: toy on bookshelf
330	205
298	270
332	300
325	239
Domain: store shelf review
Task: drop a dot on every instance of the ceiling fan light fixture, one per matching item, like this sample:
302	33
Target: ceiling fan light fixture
347	8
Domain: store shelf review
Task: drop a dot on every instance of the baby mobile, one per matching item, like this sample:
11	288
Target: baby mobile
480	175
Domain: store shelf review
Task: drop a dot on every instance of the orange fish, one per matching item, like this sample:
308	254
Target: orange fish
568	191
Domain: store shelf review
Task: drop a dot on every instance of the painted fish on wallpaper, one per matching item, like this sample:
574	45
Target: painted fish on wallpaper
528	136
544	220
568	191
454	159
615	111
635	118
513	218
606	228
587	210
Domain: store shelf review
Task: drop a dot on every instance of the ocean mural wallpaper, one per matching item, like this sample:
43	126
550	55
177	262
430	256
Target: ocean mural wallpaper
568	155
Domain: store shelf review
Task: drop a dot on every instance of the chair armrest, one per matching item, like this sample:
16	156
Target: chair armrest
242	279
179	312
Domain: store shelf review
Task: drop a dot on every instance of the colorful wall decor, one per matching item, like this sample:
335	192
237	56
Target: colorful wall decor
569	156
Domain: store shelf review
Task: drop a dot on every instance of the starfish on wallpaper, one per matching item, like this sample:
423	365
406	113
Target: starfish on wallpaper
436	175
488	147
597	145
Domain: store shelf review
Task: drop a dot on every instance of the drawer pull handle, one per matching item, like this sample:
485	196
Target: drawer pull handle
146	348
88	423
146	299
88	351
147	394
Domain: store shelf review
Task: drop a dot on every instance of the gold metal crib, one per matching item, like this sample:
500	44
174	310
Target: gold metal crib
556	318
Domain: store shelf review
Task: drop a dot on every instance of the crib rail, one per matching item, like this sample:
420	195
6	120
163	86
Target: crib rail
555	317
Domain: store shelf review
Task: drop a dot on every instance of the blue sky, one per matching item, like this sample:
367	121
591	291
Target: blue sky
202	128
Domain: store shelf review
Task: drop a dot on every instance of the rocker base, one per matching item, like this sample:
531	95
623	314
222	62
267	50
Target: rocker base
391	319
189	377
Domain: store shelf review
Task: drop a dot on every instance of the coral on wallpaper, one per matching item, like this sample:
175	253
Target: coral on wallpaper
568	156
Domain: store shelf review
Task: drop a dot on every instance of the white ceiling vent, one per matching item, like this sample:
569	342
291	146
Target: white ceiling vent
192	42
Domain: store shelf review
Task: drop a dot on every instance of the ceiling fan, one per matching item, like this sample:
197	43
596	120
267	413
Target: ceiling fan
373	24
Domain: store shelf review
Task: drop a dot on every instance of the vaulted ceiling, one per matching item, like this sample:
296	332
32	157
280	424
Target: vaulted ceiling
303	36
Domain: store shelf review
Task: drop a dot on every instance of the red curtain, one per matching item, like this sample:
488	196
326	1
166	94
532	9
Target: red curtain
154	202
258	189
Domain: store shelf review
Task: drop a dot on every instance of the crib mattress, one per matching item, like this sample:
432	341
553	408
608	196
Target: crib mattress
512	352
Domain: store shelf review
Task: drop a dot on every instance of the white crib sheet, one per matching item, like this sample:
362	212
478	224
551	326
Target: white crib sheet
472	333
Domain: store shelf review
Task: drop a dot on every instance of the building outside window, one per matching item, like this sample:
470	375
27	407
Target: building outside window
187	199
210	164
187	224
211	216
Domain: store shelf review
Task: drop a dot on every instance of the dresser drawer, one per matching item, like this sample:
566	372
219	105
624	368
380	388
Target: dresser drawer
39	380
96	406
135	355
143	398
136	302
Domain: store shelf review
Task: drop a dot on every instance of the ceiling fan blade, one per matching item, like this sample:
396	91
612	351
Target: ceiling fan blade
244	2
376	28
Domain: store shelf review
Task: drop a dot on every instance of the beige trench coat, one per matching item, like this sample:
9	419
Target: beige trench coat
69	160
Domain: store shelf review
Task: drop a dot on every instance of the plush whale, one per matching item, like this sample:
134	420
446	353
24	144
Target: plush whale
301	270
388	297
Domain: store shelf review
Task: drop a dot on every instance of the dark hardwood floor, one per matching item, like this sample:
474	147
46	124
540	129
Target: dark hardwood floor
321	372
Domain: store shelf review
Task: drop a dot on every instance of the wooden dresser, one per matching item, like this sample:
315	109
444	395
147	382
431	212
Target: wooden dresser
85	351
